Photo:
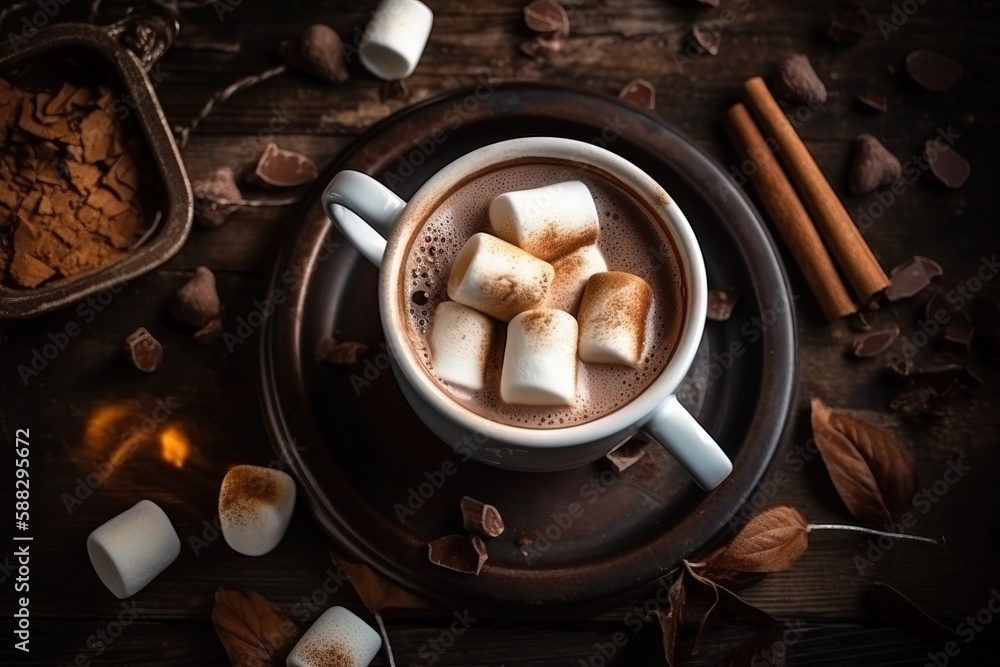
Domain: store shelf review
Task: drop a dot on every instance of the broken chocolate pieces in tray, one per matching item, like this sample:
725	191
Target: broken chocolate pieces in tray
72	169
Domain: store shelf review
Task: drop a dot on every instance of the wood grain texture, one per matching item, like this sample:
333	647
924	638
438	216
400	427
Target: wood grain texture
612	42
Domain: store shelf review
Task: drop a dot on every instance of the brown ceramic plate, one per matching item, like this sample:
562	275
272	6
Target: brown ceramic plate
382	485
125	51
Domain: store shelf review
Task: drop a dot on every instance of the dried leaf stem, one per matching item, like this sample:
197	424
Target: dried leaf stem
871	531
184	132
385	638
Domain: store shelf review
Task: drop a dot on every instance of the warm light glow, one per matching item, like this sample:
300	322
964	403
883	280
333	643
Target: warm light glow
174	446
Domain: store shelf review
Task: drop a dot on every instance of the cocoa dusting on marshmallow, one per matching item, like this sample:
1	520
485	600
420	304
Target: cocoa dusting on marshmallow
245	490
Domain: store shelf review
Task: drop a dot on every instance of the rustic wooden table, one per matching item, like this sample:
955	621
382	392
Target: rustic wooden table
87	401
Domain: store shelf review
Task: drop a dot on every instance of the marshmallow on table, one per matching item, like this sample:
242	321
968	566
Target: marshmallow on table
338	637
255	506
539	362
548	222
395	38
498	278
460	344
613	318
572	273
131	549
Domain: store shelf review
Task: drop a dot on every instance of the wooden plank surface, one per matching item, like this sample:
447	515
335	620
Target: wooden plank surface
612	42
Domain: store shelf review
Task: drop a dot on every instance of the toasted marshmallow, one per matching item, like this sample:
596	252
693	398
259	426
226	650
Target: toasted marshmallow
572	273
255	506
131	549
548	222
460	344
539	362
613	318
498	278
338	637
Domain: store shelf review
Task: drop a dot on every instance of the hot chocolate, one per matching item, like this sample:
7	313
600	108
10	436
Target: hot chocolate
631	240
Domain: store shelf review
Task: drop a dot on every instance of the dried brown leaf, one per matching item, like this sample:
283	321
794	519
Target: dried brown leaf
770	542
377	594
873	472
903	613
672	618
253	631
726	600
765	648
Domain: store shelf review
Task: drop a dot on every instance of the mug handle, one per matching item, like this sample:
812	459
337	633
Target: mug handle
679	433
364	211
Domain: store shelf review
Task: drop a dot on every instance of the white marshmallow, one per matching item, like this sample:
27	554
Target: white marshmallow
255	506
539	363
460	344
498	278
613	318
548	222
572	273
338	637
131	549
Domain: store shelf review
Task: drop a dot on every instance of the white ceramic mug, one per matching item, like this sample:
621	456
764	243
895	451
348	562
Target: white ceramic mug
381	226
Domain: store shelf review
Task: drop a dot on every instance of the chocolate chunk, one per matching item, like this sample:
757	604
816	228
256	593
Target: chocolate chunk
144	352
899	367
640	93
875	342
454	552
957	337
911	277
340	353
933	71
939	309
917	400
848	23
209	333
706	38
874	101
798	82
318	53
626	455
197	302
282	168
874	166
394	90
945	373
209	192
479	517
947	167
859	322
547	17
721	303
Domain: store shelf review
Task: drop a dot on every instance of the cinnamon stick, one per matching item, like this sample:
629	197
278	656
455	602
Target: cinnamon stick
789	215
846	244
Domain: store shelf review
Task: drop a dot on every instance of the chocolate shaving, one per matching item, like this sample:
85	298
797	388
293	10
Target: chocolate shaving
848	23
797	82
482	518
917	400
627	455
874	101
317	52
947	166
938	308
875	342
197	301
873	166
910	277
461	554
721	303
340	353
639	92
706	38
144	352
899	367
958	338
932	71
547	17
282	168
